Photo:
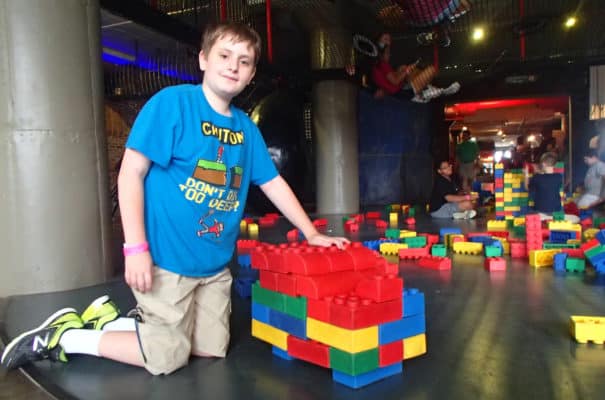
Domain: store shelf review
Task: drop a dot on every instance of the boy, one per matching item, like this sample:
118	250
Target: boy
445	200
188	163
593	181
545	189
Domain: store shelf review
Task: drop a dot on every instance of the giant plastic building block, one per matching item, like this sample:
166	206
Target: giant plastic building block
340	309
588	329
468	248
414	346
435	262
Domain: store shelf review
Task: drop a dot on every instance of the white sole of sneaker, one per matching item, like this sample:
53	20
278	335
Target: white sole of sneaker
39	328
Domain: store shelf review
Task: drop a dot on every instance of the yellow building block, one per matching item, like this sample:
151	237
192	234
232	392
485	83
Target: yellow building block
395	207
468	248
352	341
393	218
495	225
590	233
243	226
499	166
406	234
414	346
563	226
587	328
519	221
391	249
270	334
252	229
542	258
449	238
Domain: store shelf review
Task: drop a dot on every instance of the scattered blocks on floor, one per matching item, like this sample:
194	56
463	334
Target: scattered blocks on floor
588	329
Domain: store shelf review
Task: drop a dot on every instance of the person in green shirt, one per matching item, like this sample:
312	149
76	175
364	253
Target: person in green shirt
467	153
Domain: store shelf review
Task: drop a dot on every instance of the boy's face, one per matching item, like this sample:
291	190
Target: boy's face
590	160
228	67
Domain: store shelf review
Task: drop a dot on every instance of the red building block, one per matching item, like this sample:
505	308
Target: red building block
373	215
495	264
390	353
430	238
258	258
357	217
589	245
573	253
249	220
268	279
310	351
518	249
319	309
362	257
266	221
320	222
292	235
275	260
317	287
435	262
306	261
380	224
380	287
502	234
410	221
245	246
586	223
286	283
340	260
353	312
413	253
351	226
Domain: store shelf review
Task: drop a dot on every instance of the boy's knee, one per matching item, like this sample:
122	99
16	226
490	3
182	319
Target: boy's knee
169	361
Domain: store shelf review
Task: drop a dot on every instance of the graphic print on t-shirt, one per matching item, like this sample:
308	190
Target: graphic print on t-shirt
214	228
213	183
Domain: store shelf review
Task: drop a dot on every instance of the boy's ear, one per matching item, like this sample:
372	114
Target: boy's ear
203	60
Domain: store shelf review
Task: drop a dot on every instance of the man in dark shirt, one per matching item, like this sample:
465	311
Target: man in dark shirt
445	200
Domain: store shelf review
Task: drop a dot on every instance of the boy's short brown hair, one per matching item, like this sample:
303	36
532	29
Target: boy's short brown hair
239	31
549	159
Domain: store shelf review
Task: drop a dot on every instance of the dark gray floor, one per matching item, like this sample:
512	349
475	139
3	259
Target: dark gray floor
490	336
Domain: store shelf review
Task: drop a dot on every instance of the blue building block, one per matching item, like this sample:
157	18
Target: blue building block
261	313
401	329
485	239
282	354
362	380
559	262
584	214
244	260
288	323
243	287
447	231
600	236
413	302
561	236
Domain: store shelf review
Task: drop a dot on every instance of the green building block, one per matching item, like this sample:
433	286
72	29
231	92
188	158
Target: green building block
415	241
296	306
438	250
268	298
354	363
549	245
493	251
392	233
575	264
558	215
596	222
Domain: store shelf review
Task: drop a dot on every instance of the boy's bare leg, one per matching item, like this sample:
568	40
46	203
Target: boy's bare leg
122	346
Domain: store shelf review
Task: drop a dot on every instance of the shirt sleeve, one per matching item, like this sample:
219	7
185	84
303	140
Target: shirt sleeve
154	130
601	169
263	167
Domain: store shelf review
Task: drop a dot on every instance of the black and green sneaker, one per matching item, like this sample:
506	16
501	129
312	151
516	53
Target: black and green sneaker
100	312
42	342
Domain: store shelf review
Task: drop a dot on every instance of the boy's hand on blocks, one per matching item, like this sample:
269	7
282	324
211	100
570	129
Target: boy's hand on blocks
139	272
319	239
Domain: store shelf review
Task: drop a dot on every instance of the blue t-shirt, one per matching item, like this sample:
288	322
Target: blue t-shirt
202	164
545	190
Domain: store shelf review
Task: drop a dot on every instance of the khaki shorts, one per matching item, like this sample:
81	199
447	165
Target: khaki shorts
183	316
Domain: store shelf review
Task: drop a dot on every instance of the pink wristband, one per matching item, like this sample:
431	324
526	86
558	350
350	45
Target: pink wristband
133	249
468	197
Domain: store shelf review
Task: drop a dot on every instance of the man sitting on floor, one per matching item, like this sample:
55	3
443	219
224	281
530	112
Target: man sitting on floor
446	202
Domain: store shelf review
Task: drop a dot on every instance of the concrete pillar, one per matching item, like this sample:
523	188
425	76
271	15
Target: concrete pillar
335	125
54	202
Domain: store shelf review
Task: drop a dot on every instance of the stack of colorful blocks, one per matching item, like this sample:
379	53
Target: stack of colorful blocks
339	309
512	198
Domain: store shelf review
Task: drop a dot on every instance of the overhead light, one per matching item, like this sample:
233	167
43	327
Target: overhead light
478	34
464	128
500	133
119	54
570	22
